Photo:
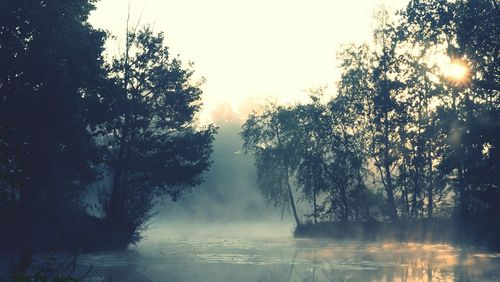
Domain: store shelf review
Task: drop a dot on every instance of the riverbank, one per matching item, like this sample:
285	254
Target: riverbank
435	231
85	234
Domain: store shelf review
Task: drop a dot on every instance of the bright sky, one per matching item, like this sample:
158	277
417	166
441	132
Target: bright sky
251	50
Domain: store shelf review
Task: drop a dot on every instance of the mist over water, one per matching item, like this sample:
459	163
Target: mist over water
267	252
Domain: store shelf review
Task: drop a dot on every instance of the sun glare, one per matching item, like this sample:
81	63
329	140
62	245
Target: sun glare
455	70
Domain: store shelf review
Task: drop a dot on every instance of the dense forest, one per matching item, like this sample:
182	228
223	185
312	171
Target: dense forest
408	146
72	120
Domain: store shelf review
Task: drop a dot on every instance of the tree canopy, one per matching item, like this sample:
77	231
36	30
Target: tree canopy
69	119
412	132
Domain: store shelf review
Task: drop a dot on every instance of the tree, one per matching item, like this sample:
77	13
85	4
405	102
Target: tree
50	70
370	84
386	109
420	136
468	116
152	144
354	111
417	112
346	166
311	137
269	136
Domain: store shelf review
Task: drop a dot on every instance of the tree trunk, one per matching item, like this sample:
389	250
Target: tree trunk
461	193
393	214
290	195
115	205
115	210
287	179
416	188
315	205
416	191
430	188
406	202
345	212
431	203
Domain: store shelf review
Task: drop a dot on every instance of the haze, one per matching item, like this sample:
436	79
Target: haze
246	49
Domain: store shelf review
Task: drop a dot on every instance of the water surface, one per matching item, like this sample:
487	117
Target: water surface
269	253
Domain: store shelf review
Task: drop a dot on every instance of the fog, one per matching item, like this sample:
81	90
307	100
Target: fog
267	252
229	193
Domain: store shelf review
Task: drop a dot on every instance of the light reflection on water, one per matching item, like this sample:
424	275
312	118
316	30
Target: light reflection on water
264	254
215	257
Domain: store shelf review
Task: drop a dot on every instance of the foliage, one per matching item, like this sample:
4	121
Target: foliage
28	268
403	140
270	137
66	116
151	144
50	70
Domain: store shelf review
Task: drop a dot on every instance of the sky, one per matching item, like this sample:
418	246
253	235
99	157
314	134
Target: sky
250	51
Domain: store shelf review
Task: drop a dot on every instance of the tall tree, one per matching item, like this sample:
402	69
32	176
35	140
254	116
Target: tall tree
386	108
153	145
50	66
468	117
420	97
352	116
269	136
312	136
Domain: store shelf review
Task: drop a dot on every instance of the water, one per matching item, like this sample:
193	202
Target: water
269	253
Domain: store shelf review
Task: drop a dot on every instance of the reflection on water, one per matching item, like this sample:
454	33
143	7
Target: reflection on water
196	256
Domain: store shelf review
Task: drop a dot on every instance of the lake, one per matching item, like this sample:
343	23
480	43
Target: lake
268	252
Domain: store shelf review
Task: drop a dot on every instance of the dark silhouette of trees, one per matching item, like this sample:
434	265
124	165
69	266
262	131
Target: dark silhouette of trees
269	136
311	125
416	115
386	109
152	145
469	118
50	70
66	117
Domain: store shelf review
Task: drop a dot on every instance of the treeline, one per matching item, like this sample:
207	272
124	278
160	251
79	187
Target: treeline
412	134
71	119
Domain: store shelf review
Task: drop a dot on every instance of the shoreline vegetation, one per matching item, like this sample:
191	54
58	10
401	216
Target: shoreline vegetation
28	267
440	231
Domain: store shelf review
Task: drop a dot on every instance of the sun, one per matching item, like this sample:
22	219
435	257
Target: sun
456	71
